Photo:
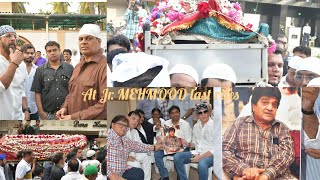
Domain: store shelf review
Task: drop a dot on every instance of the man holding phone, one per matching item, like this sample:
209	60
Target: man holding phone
13	75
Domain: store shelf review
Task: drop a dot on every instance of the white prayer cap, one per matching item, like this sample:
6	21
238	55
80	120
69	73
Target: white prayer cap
90	153
314	82
90	29
294	61
130	65
311	64
185	69
94	162
220	71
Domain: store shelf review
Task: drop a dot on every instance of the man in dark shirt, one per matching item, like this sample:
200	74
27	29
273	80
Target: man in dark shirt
57	171
51	82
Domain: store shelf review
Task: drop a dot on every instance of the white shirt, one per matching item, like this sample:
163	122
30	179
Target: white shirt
158	132
11	98
101	177
134	136
72	176
22	168
30	95
202	137
2	176
306	29
184	132
283	82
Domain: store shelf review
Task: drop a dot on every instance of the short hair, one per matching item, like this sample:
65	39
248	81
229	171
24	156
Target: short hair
68	51
75	150
120	40
104	167
19	154
112	54
71	155
25	47
171	129
73	164
278	51
282	36
258	92
142	80
140	111
38	52
52	43
155	110
303	50
101	155
57	157
119	118
174	107
134	113
26	152
38	170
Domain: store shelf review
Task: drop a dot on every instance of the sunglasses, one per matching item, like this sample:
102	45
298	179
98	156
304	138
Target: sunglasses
202	112
202	106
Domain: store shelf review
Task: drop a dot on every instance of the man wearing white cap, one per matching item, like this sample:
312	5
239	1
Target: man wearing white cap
140	70
218	75
13	75
182	75
90	73
288	79
307	70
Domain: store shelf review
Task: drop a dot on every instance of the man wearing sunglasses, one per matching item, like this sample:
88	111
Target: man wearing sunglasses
202	141
13	75
118	148
307	70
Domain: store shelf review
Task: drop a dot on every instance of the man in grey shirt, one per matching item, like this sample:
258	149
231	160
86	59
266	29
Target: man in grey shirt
50	82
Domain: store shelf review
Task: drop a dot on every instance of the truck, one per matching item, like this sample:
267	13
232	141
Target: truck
249	61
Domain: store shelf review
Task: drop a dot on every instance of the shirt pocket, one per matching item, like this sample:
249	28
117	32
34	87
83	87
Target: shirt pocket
48	82
88	84
65	80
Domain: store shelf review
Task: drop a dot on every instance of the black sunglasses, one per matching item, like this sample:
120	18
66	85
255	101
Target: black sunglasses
204	112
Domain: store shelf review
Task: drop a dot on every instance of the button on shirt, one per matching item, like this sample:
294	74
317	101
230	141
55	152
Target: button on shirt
11	98
29	94
118	149
246	145
52	84
202	137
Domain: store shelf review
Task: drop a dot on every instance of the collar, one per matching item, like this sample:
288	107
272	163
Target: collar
114	134
250	119
48	65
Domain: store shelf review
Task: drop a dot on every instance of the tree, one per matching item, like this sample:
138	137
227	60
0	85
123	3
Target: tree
18	7
102	8
60	7
87	8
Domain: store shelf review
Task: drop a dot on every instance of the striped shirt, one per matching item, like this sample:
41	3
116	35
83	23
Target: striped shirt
246	145
118	149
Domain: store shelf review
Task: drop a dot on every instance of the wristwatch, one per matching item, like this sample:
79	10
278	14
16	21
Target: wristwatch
184	117
26	109
307	112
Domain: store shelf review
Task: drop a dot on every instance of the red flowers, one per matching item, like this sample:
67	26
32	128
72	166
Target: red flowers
204	9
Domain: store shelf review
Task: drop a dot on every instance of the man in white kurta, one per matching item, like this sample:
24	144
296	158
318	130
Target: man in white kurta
13	75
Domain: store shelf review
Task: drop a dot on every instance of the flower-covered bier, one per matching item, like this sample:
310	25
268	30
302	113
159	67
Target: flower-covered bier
41	145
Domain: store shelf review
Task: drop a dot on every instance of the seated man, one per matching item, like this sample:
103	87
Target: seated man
118	148
259	146
202	141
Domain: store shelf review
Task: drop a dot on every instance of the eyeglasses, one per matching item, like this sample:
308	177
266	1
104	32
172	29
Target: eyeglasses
202	106
202	112
300	77
10	36
123	126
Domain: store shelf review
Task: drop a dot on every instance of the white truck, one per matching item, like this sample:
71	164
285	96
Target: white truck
249	61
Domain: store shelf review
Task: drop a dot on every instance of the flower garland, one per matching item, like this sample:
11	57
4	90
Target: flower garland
42	145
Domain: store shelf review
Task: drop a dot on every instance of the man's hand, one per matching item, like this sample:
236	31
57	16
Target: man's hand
67	117
236	177
196	158
252	173
26	115
16	56
61	112
315	153
309	97
130	158
43	115
184	142
115	177
159	146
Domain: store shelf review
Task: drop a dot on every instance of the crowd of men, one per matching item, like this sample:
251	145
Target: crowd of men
134	142
59	166
32	87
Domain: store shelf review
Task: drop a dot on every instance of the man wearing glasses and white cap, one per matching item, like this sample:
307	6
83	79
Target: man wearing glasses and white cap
13	75
288	79
218	75
182	75
307	70
89	73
